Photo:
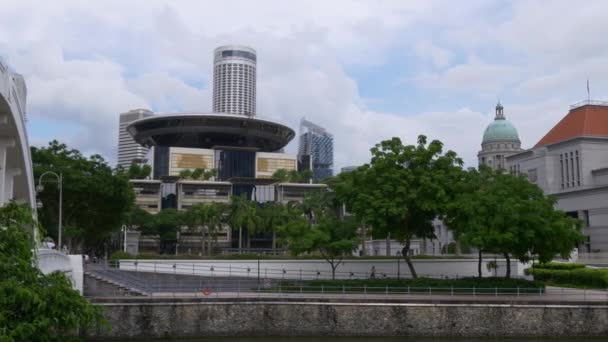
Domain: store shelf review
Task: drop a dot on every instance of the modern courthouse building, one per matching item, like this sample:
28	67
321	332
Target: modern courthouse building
571	163
316	150
244	150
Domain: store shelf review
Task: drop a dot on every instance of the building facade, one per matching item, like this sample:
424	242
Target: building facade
571	163
500	140
234	80
316	150
242	149
128	150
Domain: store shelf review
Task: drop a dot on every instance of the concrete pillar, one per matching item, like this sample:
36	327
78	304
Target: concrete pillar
9	182
5	144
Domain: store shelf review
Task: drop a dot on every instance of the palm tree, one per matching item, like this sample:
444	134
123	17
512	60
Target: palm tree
273	216
206	217
243	214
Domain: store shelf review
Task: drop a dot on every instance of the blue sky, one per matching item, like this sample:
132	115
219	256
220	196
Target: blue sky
366	70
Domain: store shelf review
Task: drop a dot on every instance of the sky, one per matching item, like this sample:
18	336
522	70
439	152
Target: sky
365	70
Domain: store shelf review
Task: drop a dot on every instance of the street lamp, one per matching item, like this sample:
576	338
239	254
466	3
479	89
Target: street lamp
124	229
40	188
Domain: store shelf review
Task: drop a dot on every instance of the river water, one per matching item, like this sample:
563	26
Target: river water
376	339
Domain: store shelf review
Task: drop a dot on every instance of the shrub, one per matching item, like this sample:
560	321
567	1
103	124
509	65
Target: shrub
588	277
120	255
559	266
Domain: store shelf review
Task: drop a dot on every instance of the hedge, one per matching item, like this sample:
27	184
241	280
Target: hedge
589	277
559	266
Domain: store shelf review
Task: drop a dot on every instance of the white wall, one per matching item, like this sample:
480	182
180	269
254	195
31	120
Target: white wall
50	260
317	269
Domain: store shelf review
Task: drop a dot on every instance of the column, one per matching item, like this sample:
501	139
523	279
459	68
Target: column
9	182
5	144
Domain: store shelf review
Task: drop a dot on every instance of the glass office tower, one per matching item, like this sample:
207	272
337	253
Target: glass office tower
316	147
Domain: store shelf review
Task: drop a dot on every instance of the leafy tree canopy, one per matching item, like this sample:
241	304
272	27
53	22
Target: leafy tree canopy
292	176
402	189
33	306
96	197
138	171
506	214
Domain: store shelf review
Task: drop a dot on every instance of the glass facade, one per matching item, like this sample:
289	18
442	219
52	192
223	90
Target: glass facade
318	144
235	163
161	161
239	53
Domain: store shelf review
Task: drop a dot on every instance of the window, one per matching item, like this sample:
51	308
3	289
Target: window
567	170
578	170
532	175
586	222
572	168
561	167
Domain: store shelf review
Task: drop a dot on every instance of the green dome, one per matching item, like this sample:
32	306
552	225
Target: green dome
500	130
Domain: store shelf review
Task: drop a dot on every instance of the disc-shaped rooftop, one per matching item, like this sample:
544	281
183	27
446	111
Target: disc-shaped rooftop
211	130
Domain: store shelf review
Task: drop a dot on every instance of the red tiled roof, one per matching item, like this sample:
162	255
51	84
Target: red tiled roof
587	120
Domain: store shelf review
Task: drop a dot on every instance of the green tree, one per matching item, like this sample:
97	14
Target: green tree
96	197
167	224
197	173
319	204
273	216
185	174
208	174
137	171
506	214
139	219
292	176
207	219
243	215
34	306
402	189
331	237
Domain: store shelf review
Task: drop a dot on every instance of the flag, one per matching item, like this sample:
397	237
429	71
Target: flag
588	96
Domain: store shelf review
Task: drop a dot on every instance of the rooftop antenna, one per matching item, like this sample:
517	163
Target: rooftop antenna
588	92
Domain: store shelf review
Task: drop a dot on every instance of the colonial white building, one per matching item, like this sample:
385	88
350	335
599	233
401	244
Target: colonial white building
571	163
500	140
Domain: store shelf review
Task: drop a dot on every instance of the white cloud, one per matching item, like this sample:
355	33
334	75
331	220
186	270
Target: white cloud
85	62
474	76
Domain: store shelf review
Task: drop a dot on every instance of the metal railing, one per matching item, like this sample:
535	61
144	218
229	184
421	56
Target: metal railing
239	286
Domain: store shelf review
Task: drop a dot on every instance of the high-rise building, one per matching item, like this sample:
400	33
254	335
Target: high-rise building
500	140
234	80
317	148
128	150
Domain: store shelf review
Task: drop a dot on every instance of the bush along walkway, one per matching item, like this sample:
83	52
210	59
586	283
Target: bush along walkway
574	275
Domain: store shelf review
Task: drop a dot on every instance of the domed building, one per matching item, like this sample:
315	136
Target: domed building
500	140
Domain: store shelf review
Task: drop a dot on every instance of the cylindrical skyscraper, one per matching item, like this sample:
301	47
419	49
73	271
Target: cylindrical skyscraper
234	80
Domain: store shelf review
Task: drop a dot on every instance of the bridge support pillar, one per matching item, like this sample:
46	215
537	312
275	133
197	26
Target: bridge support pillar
5	144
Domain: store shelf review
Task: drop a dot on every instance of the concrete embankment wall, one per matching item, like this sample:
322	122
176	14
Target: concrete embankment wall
192	319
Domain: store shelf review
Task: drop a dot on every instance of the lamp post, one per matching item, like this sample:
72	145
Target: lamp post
258	270
124	229
40	188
